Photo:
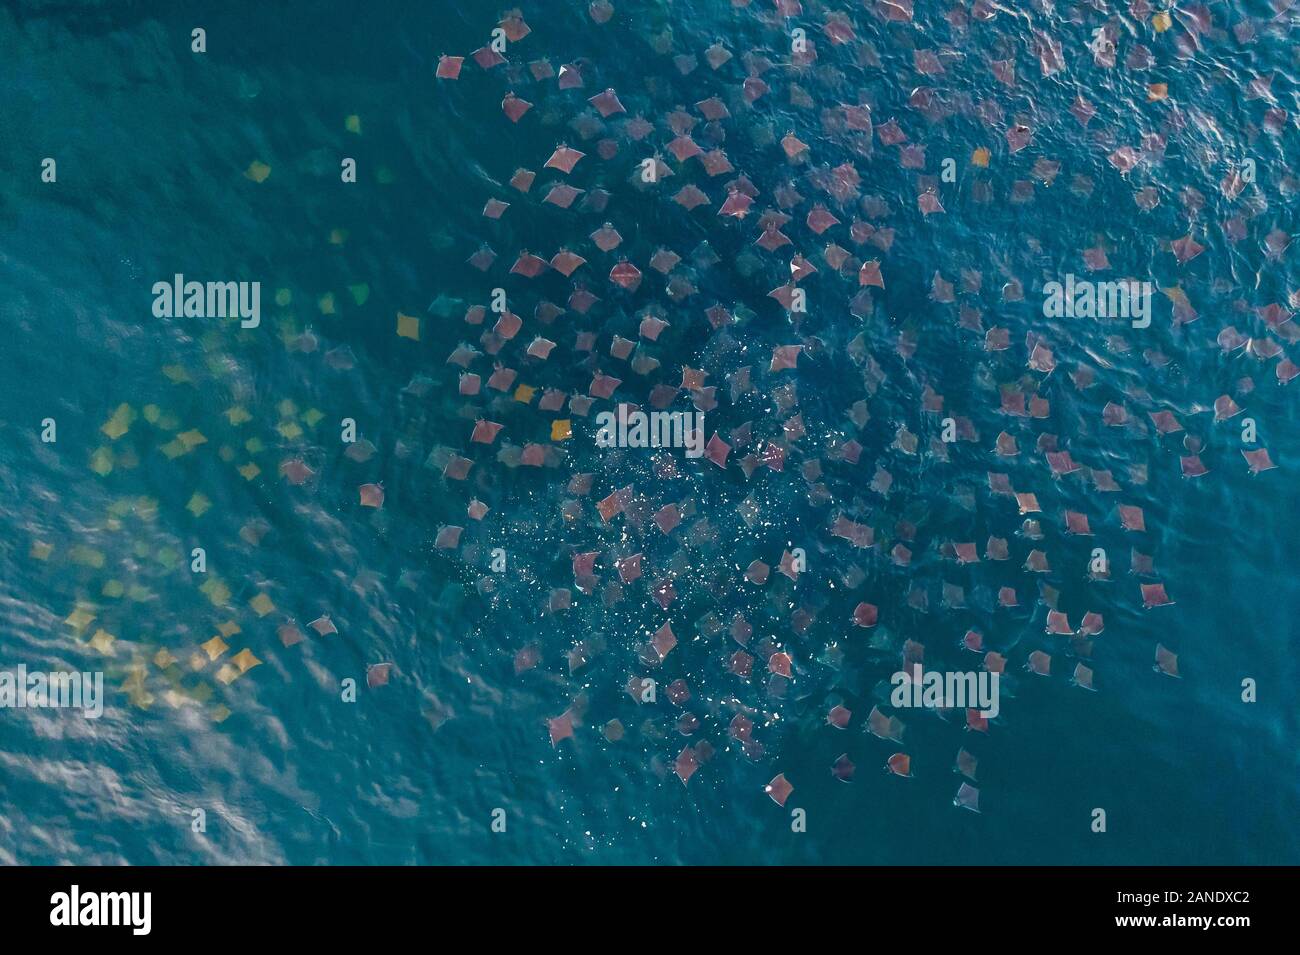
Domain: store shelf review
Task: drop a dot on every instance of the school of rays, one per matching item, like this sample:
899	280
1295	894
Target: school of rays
718	602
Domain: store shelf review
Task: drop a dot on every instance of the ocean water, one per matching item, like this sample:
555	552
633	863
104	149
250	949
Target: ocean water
158	153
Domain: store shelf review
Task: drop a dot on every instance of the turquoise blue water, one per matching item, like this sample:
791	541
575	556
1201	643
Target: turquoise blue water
157	152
